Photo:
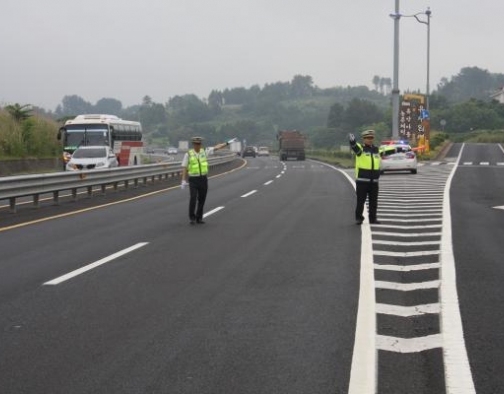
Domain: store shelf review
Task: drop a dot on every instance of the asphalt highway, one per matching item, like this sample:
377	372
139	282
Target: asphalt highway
260	299
279	292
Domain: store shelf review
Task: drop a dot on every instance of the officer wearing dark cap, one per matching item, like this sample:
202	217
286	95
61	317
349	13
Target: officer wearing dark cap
195	169
367	173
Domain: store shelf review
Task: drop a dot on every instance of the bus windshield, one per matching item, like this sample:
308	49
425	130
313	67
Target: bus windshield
83	135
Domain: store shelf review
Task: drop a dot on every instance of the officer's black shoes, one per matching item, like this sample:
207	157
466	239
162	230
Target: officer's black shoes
192	221
359	221
200	221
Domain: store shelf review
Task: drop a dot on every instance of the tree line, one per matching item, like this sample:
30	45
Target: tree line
255	113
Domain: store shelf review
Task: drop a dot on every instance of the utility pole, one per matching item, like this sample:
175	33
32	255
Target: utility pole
395	88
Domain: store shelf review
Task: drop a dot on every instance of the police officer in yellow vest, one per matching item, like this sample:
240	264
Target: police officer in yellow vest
195	169
367	173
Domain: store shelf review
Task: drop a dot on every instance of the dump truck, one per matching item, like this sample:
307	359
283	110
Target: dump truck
291	144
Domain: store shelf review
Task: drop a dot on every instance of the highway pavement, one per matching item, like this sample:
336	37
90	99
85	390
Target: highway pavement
279	292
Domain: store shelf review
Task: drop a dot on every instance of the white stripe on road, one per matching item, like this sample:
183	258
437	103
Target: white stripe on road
267	183
406	254
407	227
433	284
249	193
407	268
401	243
409	345
395	214
410	220
279	175
89	267
456	363
405	234
363	373
407	311
212	211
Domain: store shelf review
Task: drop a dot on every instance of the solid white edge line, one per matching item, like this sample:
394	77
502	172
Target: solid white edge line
89	267
458	376
249	193
363	373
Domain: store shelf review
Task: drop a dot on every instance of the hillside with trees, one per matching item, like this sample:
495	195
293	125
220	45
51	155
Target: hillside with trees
255	113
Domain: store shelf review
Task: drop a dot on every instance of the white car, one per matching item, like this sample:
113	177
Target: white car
263	151
91	158
172	150
398	157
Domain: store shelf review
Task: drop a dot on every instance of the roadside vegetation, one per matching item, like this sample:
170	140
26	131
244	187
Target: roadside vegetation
23	135
461	109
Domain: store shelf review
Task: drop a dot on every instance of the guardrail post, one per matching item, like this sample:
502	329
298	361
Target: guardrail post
115	186
136	183
56	198
103	188
90	191
74	194
36	200
145	181
12	204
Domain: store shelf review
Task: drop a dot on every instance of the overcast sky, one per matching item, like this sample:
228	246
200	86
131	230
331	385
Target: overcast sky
126	49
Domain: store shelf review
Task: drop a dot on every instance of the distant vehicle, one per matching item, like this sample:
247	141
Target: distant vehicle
124	137
398	157
394	142
291	144
172	150
263	151
91	158
236	147
249	151
183	145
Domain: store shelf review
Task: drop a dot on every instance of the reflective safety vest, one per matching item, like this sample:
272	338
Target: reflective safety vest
197	164
367	162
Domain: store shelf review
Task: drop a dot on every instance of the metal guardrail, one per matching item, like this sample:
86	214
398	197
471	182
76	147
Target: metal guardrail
13	187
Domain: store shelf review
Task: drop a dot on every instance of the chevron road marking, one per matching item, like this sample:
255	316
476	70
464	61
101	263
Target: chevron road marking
409	345
406	254
407	311
407	268
405	234
411	220
413	214
433	284
406	227
401	243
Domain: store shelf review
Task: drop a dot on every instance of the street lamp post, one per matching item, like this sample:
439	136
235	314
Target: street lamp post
395	89
428	13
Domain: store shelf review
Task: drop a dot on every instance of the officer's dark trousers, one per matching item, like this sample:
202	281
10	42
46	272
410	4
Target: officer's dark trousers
198	187
364	190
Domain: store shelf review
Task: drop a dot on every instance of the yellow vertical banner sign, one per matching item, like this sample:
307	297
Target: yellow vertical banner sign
411	125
